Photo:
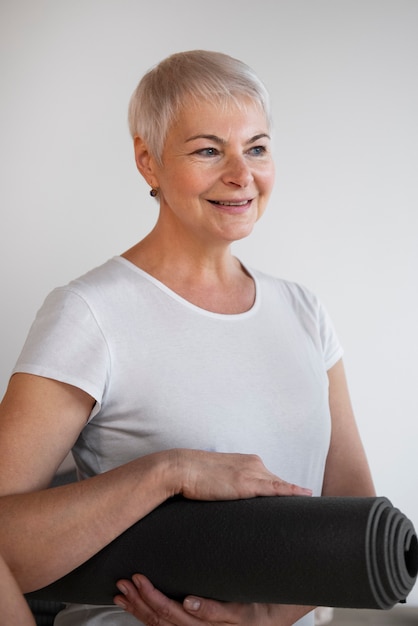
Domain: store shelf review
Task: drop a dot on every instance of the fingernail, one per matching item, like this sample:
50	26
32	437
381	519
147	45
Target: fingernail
122	588
120	603
137	581
191	604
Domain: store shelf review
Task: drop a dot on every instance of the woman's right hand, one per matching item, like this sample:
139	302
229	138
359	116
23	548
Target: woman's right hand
227	476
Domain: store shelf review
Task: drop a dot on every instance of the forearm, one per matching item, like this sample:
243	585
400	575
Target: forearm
71	523
347	472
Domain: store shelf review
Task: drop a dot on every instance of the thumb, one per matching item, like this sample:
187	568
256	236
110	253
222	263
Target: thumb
191	604
211	610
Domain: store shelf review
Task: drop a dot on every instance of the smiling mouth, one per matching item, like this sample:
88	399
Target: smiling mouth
226	203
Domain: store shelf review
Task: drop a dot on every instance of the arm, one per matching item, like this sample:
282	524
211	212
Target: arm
13	607
347	471
40	419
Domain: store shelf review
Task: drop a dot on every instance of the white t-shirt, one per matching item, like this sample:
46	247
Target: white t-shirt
166	373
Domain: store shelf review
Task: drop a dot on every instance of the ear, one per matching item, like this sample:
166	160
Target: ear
145	162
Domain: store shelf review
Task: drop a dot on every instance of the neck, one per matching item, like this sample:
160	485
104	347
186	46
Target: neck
164	252
210	278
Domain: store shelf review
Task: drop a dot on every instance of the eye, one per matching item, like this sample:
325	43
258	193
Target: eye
257	150
207	152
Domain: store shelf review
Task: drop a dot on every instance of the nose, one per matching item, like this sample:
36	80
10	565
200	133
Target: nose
237	172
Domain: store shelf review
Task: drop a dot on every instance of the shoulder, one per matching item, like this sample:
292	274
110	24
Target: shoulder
294	294
79	303
101	278
304	307
100	285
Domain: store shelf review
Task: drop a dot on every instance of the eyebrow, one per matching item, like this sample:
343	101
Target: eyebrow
221	141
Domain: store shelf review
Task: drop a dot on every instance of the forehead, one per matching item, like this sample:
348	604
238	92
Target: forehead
220	118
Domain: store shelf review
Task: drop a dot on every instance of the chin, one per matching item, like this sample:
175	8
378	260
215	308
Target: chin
235	234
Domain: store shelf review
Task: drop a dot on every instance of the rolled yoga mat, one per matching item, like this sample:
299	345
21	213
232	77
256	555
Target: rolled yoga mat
329	551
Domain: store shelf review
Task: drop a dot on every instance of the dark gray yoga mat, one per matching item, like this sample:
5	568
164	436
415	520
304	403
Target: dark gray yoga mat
331	551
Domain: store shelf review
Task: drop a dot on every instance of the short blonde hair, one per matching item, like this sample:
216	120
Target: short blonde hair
193	76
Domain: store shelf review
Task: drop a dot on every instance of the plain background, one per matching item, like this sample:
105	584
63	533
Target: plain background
343	219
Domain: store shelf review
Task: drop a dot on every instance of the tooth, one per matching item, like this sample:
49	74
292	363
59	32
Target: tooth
233	203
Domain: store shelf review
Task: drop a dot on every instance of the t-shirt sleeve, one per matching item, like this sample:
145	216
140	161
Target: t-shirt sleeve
65	343
314	316
331	346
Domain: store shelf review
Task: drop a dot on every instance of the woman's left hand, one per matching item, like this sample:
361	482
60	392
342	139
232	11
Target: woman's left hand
153	608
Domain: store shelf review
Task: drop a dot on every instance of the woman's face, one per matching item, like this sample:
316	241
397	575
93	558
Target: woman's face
217	172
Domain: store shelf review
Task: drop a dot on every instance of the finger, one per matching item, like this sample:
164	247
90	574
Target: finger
130	599
151	606
282	488
212	611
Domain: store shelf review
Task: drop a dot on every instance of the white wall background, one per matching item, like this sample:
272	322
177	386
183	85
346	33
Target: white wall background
344	216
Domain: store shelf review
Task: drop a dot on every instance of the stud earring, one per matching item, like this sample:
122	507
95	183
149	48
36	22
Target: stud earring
154	192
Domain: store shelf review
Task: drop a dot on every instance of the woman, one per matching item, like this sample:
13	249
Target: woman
169	367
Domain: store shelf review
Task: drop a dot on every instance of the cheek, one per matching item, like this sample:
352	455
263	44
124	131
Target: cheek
265	178
267	182
187	184
271	177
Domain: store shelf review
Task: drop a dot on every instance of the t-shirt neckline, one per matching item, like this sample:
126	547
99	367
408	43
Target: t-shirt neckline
175	296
